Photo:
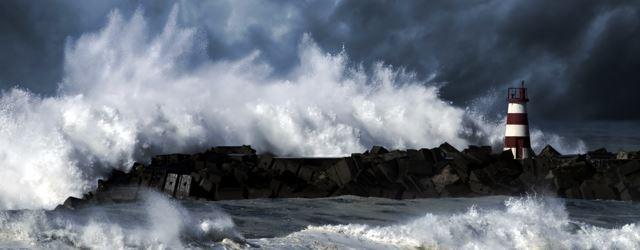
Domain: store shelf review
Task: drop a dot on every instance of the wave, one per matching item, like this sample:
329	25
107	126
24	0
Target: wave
156	223
128	94
160	223
523	223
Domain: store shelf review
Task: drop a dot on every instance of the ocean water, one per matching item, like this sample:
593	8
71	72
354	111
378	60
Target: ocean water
346	222
612	135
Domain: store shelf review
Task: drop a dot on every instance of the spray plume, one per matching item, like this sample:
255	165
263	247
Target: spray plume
128	94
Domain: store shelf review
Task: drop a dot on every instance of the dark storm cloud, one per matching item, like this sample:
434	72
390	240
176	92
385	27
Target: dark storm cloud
33	37
580	58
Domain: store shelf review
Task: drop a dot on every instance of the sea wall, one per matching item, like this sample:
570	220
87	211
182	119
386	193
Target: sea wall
223	173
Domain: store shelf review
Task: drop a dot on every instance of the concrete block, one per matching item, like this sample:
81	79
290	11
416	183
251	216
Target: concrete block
306	173
265	161
446	177
376	150
573	193
417	166
170	184
342	171
184	187
591	189
395	154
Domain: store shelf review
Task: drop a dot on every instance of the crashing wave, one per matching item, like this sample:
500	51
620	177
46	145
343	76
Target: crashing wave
157	223
523	223
128	94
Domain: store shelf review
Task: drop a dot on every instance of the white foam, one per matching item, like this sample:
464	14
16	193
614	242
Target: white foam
128	94
165	226
526	223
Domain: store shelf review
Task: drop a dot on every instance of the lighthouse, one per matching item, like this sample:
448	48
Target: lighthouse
516	136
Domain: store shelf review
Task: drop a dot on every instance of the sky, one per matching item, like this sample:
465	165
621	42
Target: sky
579	59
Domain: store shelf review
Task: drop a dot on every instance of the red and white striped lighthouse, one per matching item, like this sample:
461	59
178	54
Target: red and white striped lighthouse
516	136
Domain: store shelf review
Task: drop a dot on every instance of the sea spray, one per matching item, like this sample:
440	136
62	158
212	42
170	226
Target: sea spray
522	223
354	222
157	222
128	94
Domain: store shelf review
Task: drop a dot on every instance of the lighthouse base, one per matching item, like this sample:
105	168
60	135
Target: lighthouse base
521	153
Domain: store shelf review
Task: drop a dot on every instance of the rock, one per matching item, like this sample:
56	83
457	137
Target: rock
231	193
340	172
411	185
200	164
428	189
414	154
395	154
259	193
549	152
506	155
170	184
459	161
573	193
118	177
265	161
325	183
628	193
432	156
291	165
306	173
622	155
478	153
208	184
136	175
438	166
448	149
386	171
357	189
238	173
161	160
378	150
572	174
184	187
507	170
228	150
483	176
367	177
438	154
591	189
196	177
629	173
456	189
416	166
529	172
446	177
462	168
600	154
73	203
156	177
479	188
275	187
387	192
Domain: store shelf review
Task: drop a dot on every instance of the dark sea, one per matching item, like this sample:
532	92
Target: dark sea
612	135
346	222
